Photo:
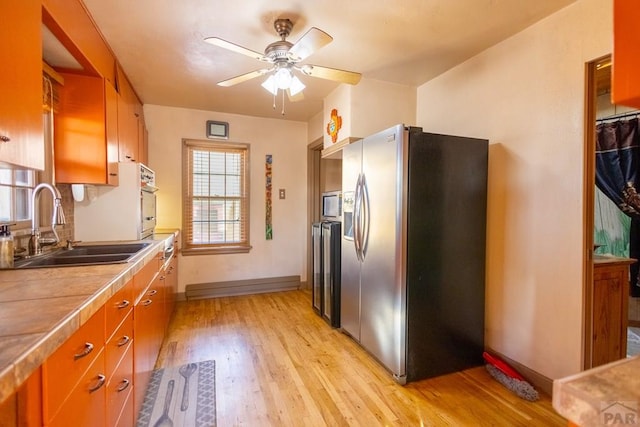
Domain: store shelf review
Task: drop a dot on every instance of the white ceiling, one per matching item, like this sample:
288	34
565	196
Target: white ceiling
160	43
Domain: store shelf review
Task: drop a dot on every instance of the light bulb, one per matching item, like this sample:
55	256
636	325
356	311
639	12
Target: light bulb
283	78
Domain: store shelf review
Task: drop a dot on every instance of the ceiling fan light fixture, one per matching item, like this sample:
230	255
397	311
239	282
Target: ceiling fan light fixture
296	86
270	85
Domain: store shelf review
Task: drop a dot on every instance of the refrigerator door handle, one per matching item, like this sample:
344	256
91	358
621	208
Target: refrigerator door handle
356	218
366	214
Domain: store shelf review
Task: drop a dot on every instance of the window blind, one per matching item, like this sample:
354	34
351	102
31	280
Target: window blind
216	202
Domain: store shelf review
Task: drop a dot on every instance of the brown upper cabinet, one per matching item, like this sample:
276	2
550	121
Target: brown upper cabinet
21	130
129	120
86	131
625	87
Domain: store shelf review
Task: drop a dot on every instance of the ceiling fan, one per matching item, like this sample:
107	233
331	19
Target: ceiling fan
284	58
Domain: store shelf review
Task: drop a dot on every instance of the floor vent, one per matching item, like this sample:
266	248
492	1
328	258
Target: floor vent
241	287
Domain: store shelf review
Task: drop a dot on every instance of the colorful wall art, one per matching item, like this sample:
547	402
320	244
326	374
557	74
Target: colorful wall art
268	186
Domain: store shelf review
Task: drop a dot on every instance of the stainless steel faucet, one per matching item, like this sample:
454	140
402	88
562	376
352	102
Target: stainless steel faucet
36	242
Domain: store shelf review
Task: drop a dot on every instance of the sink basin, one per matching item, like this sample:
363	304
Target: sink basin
125	248
85	255
59	261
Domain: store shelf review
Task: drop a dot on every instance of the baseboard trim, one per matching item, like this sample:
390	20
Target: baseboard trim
539	381
241	287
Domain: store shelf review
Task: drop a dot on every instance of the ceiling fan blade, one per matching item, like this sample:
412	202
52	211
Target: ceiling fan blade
244	77
216	41
342	76
312	40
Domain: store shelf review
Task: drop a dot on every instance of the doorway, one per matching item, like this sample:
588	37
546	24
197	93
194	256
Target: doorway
323	174
606	227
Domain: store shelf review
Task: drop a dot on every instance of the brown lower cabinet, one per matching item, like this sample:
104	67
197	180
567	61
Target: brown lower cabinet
610	308
98	377
148	318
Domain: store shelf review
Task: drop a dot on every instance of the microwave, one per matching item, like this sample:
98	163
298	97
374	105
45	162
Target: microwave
332	206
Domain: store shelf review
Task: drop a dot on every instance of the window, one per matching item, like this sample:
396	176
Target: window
215	197
15	193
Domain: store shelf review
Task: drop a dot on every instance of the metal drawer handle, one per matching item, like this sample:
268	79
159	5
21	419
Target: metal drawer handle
100	383
4	138
147	302
152	292
88	348
125	383
124	304
124	340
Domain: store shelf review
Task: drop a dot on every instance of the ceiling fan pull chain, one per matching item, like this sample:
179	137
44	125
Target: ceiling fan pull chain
283	102
274	101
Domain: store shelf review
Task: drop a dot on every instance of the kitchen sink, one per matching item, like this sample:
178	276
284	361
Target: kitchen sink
84	255
125	248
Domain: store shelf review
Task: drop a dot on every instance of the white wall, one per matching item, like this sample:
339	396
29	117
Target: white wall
369	107
285	255
315	128
377	105
526	95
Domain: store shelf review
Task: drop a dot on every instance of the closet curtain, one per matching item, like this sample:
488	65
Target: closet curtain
617	173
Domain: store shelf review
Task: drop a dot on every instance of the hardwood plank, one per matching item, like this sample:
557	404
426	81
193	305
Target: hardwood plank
279	364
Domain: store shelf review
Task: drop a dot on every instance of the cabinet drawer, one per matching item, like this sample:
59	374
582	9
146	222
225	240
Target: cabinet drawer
63	369
85	405
143	278
118	306
119	343
119	387
127	416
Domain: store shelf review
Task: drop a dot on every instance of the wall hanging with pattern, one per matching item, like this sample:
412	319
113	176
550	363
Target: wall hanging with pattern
268	219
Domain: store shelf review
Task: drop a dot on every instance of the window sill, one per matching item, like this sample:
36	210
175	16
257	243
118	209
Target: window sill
216	251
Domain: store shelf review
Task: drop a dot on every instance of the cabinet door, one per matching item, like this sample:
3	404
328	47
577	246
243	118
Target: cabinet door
147	339
86	404
171	289
625	85
111	123
127	120
21	130
81	139
610	298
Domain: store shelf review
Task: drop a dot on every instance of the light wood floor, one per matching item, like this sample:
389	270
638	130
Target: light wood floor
278	364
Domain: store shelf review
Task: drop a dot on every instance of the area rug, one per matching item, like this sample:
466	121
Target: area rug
181	396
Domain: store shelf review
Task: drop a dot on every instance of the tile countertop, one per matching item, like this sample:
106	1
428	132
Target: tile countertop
41	308
605	395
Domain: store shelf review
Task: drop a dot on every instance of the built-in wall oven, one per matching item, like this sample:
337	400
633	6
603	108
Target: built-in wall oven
147	201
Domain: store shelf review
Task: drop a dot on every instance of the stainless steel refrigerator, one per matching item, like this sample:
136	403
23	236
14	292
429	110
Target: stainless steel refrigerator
326	270
413	250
